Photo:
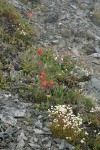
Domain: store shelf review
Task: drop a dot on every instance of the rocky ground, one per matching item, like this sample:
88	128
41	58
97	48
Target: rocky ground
63	25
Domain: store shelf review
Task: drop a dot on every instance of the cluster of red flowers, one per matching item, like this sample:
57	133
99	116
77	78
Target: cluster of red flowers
43	74
45	83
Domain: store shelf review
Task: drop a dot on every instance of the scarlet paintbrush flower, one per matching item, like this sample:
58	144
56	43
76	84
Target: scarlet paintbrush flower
51	83
44	83
42	77
40	51
43	74
29	14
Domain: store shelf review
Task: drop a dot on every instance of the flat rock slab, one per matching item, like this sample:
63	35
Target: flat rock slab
10	110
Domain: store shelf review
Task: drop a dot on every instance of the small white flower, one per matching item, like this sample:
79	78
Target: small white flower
56	58
82	141
86	133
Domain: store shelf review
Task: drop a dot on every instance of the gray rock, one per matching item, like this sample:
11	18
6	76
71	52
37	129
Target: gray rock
63	17
82	74
69	146
20	145
88	49
95	83
97	62
1	135
29	128
48	145
8	119
98	50
62	44
9	131
53	17
45	139
97	6
92	88
95	55
38	131
55	42
21	137
66	32
46	2
62	146
34	145
46	129
38	124
14	74
12	146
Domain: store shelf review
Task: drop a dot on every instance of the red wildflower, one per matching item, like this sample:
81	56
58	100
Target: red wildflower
40	51
29	14
43	75
44	83
51	83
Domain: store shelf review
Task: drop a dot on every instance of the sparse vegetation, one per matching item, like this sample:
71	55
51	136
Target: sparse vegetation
15	36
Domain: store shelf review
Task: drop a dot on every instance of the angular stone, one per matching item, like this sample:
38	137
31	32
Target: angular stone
1	135
88	49
12	146
34	145
97	62
48	145
82	74
38	131
69	146
20	145
95	55
46	129
9	131
62	146
8	119
38	124
53	17
21	137
55	42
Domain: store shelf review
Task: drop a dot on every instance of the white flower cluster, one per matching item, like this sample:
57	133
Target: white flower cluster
95	109
66	114
23	32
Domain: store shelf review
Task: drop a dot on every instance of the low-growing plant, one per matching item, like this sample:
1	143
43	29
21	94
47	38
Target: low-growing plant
46	74
65	124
